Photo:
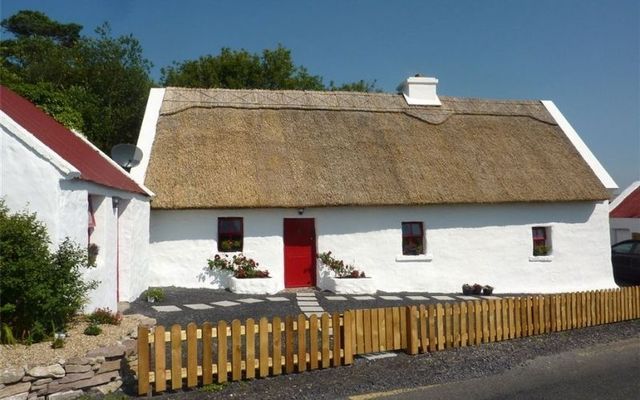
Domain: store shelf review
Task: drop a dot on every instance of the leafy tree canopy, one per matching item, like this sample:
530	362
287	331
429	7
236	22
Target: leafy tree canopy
239	69
98	85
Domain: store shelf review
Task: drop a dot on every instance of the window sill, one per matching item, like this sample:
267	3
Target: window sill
416	258
540	258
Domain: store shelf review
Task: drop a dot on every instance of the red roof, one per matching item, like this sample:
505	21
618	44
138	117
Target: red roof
629	207
93	165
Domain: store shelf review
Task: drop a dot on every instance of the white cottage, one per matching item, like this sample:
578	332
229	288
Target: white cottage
625	214
423	193
79	193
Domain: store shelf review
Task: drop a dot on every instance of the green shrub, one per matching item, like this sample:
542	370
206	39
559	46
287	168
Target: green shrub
93	330
154	294
58	343
39	289
104	316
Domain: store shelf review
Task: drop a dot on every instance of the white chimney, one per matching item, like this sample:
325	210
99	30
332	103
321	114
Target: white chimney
420	91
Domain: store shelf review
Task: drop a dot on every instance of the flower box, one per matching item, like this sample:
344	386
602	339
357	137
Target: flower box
253	285
350	285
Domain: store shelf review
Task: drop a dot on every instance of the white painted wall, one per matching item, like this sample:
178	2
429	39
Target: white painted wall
623	228
488	244
31	179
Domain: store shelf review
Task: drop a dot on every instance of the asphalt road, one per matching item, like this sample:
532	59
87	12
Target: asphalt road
610	371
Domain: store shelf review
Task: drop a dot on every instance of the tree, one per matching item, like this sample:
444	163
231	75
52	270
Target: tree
239	69
98	85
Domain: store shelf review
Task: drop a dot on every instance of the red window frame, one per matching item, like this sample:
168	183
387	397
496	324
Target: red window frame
413	238
230	234
540	238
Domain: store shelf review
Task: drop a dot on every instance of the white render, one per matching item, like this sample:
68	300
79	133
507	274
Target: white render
420	91
254	286
328	281
623	228
34	178
488	244
148	133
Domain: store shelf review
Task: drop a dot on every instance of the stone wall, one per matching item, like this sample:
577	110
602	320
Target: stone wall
99	371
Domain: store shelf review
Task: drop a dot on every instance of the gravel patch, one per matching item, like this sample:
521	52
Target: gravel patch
410	371
77	344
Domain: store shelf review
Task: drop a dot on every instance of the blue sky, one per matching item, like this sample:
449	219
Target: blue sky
583	54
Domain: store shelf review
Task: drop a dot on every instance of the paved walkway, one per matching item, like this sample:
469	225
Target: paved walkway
308	301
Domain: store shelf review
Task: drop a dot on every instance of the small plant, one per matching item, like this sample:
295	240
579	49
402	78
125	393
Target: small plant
341	269
476	288
92	254
241	266
104	316
541	250
467	289
154	295
57	343
212	387
230	245
93	330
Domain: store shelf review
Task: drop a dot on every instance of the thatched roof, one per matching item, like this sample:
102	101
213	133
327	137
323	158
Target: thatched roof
217	148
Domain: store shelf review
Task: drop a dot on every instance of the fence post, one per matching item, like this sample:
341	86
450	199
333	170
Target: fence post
347	338
412	330
143	360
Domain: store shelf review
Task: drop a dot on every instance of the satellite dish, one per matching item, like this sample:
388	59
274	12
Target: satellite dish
126	155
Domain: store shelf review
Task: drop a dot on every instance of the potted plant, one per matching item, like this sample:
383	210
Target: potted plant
476	288
467	289
487	290
92	253
338	277
154	295
246	277
541	250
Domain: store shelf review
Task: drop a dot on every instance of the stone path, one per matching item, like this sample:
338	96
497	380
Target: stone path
309	305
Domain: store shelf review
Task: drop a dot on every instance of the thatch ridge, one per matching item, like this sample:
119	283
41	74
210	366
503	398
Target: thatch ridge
323	150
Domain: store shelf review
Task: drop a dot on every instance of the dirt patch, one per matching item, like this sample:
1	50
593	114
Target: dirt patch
77	344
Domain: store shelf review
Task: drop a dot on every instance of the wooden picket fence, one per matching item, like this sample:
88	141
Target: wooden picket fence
177	358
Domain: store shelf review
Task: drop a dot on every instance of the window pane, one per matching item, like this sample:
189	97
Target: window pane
417	229
406	229
623	248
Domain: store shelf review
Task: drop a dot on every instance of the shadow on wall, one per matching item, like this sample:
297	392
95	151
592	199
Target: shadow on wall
214	277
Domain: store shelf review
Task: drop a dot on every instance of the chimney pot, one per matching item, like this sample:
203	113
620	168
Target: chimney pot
420	91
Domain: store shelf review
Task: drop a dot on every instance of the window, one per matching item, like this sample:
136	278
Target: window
91	225
412	238
541	240
623	248
230	234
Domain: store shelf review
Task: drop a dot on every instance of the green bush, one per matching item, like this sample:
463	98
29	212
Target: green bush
104	316
58	343
40	289
93	330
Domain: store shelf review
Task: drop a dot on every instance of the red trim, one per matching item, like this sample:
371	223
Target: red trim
93	166
629	207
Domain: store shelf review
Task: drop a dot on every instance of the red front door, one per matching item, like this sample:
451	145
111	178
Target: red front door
299	252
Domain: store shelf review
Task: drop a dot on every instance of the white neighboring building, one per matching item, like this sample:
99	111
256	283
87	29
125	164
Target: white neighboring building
625	214
423	194
79	193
